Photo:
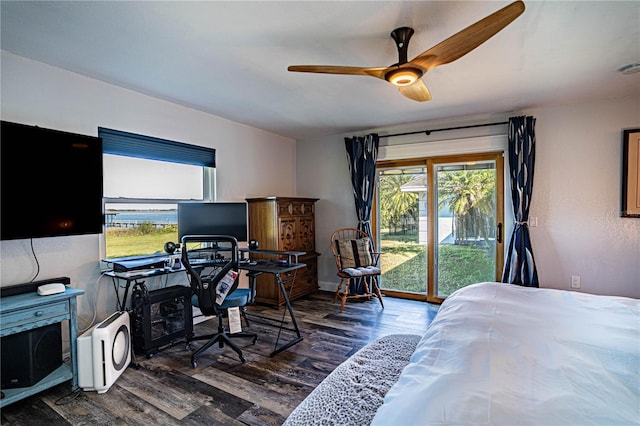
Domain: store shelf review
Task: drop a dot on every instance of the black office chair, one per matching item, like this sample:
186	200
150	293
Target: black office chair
208	259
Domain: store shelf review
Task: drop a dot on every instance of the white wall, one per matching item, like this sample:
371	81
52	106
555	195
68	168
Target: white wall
250	162
576	197
576	190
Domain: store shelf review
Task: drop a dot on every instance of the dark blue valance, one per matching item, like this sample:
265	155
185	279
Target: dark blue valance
133	145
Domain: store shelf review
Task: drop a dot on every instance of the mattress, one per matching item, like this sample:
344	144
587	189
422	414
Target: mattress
502	354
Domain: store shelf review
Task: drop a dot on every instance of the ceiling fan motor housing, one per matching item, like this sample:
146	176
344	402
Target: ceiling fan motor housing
402	76
401	36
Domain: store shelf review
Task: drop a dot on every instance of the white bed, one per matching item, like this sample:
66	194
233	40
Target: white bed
503	354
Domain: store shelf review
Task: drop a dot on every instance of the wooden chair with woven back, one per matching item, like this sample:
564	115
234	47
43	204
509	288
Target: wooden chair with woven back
357	264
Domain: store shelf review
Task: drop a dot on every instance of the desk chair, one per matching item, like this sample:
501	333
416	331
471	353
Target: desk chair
208	259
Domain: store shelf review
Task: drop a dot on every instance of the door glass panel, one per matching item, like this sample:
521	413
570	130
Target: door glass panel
402	227
465	249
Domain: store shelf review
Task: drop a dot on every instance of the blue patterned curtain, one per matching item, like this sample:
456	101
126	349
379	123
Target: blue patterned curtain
362	153
520	267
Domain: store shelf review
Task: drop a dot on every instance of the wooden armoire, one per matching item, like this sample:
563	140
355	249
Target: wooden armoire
285	224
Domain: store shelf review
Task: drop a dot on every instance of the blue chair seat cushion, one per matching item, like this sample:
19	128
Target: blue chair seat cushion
240	297
362	271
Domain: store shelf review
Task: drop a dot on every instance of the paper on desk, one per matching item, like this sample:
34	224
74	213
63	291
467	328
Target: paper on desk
235	325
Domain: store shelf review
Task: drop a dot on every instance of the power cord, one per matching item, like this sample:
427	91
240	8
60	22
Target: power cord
70	397
35	257
93	304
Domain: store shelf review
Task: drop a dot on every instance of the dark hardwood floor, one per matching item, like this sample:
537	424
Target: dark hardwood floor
166	390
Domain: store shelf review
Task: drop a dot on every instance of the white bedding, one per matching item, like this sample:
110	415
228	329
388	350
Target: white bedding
504	354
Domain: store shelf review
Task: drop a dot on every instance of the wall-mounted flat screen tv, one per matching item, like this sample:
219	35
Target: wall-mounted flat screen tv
51	183
218	218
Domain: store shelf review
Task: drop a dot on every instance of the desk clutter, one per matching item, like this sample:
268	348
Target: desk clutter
160	318
143	265
146	263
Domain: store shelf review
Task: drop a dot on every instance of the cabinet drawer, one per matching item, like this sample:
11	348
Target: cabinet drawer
35	314
296	208
306	277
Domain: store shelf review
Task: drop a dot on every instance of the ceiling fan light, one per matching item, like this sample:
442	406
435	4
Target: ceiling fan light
403	76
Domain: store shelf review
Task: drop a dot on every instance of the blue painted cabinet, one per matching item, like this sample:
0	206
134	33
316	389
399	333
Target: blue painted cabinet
29	311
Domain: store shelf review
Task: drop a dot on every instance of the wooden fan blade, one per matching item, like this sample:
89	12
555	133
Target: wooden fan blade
417	91
329	69
468	39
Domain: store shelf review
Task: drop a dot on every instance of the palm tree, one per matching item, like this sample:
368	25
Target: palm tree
469	195
395	203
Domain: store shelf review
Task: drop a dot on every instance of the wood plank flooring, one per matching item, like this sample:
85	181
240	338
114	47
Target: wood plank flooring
166	390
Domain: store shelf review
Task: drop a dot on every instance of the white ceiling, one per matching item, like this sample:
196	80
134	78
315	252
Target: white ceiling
230	58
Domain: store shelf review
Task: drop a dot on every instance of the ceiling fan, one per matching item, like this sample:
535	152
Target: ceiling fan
406	75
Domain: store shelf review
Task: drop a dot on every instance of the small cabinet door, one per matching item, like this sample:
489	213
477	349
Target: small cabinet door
288	228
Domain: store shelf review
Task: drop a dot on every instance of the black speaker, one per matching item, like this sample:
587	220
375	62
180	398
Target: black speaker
30	356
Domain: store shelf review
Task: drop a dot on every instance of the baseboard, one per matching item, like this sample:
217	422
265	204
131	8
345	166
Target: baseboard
327	286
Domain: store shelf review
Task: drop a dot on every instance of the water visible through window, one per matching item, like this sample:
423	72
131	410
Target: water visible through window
141	200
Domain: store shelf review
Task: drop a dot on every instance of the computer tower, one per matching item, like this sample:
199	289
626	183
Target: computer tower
160	317
30	356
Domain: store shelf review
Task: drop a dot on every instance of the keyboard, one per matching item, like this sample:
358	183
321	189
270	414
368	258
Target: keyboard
199	262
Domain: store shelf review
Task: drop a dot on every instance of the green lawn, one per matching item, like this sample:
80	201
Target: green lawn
138	241
404	263
403	260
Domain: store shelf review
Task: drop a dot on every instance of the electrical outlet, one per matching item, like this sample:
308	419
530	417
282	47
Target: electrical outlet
575	281
533	221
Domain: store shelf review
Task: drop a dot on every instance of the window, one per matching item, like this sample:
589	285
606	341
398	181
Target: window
439	223
144	179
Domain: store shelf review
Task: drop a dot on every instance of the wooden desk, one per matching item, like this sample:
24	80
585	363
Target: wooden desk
29	311
277	269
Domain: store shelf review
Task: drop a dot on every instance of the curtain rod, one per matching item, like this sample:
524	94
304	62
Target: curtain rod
428	132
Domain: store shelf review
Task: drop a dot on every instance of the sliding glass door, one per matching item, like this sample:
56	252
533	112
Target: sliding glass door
468	222
439	224
402	228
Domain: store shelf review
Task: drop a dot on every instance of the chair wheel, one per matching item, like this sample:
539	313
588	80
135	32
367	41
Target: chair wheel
194	364
254	340
243	359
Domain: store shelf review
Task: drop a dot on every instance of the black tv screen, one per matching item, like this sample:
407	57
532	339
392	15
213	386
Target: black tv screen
51	183
213	219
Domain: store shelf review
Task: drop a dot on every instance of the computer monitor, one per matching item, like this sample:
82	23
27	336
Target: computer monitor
213	218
